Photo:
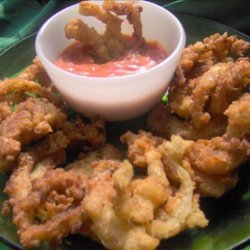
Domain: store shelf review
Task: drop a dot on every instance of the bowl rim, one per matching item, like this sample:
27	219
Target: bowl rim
180	46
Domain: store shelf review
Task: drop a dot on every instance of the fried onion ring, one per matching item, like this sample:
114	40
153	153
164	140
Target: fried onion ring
112	43
58	220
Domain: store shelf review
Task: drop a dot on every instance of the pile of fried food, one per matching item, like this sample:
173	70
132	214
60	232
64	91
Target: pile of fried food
209	107
64	178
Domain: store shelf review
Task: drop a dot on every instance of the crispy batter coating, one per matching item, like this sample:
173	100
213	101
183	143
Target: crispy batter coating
14	91
9	150
18	185
112	43
79	31
30	167
55	201
48	205
81	134
131	10
170	213
231	86
206	82
44	201
211	92
165	123
73	134
215	48
20	182
172	218
211	185
5	110
206	184
203	101
138	145
217	156
34	72
32	119
238	114
114	232
210	163
51	144
138	199
84	164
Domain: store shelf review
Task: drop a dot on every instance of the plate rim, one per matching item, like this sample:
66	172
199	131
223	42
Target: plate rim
17	246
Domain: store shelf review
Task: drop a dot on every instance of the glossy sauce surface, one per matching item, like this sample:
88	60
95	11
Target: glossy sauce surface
75	59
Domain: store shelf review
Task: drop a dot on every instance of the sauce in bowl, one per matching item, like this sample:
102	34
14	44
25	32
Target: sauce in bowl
75	59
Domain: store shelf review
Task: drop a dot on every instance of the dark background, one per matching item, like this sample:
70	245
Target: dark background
19	18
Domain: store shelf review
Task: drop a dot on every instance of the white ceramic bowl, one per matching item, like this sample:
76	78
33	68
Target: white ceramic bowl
116	98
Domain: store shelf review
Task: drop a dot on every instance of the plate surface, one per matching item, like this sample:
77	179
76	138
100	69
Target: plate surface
229	216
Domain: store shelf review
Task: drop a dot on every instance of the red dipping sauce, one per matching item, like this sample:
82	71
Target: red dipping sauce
75	59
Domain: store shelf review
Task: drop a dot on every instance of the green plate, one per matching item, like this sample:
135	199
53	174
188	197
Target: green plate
229	216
